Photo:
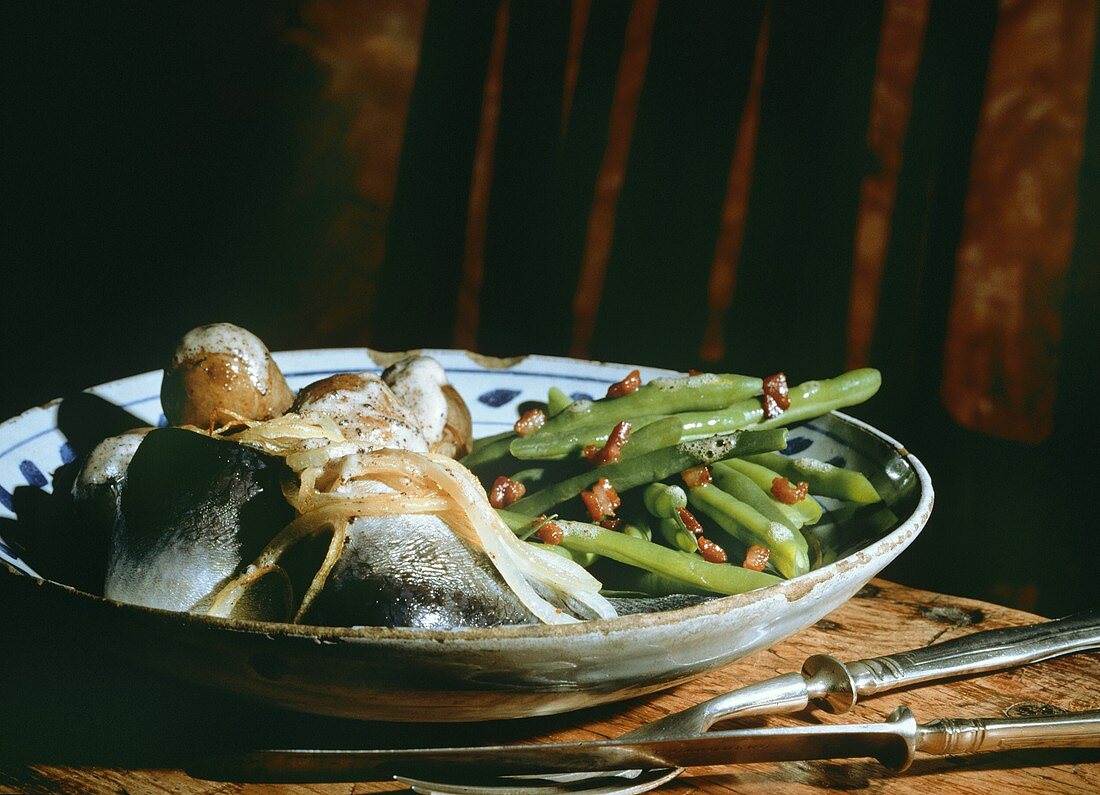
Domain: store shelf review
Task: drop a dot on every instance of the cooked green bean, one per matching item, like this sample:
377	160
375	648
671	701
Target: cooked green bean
682	566
808	400
654	435
663	503
557	401
663	500
539	477
676	535
823	479
654	466
489	452
572	440
637	529
618	578
742	488
805	511
660	397
789	551
813	398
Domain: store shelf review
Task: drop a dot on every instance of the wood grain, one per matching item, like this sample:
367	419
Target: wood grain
884	617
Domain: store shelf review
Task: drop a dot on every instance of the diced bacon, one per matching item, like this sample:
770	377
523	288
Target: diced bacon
550	533
505	491
783	491
530	422
756	558
612	450
776	397
628	385
711	552
696	476
601	501
690	522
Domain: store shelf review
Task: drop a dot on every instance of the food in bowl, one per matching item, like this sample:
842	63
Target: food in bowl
344	505
407	673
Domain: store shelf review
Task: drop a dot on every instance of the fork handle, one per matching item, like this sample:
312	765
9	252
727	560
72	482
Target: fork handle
968	736
840	685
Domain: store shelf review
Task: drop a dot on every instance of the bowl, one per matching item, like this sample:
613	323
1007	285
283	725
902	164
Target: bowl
468	674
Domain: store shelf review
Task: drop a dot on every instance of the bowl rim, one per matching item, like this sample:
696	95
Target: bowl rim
792	590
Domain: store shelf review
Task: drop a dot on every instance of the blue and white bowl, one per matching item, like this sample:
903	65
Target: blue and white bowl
470	674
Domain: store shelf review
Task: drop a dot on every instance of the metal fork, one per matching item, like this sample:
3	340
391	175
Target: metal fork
832	684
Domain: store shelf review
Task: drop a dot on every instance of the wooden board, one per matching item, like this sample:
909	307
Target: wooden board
71	751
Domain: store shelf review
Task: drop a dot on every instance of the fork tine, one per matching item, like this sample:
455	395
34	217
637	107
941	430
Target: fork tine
567	784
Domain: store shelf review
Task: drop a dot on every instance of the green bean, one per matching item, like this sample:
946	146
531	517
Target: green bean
676	534
491	452
808	400
662	500
681	566
571	441
806	511
663	503
557	401
638	530
823	479
659	433
522	526
539	477
582	559
635	521
573	428
789	551
742	488
660	397
654	466
496	437
813	398
624	580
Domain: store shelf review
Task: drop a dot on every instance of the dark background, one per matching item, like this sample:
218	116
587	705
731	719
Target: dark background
169	165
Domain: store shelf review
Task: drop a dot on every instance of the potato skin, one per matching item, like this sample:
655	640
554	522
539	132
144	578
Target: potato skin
458	433
200	390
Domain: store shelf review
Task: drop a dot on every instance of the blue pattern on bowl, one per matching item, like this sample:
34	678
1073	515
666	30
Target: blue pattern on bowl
498	397
796	445
32	473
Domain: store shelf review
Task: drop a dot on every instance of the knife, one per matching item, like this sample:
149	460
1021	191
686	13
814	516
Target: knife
894	743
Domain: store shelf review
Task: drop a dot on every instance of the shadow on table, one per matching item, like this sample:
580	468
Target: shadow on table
67	698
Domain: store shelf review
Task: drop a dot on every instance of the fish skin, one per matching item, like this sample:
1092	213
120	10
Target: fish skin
194	512
413	571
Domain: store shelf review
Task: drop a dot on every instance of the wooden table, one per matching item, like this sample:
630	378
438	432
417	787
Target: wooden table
76	720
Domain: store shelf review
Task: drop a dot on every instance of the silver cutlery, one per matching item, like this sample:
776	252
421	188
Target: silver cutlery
655	753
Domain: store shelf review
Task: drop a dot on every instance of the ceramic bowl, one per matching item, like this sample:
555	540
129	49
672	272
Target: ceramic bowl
472	674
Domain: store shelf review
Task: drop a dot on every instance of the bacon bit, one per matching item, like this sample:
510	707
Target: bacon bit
711	552
783	491
611	524
690	522
612	450
601	501
550	533
530	422
505	491
776	398
696	476
629	384
693	371
756	558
